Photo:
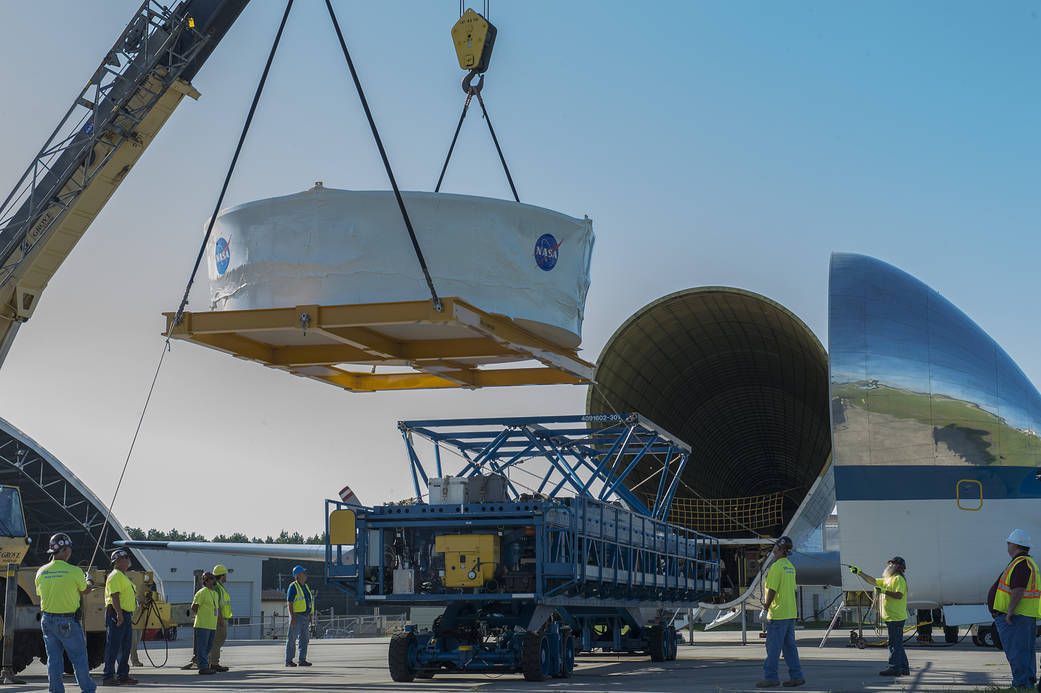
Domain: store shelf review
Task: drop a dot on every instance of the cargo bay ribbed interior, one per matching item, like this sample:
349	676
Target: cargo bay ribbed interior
745	383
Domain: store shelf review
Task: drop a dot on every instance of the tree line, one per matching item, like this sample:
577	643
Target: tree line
236	538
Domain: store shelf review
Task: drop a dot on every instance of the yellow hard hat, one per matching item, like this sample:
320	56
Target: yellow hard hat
219	569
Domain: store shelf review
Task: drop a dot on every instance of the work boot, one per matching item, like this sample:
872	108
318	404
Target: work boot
290	663
218	667
767	684
207	670
128	682
109	682
795	682
304	663
136	662
190	665
889	672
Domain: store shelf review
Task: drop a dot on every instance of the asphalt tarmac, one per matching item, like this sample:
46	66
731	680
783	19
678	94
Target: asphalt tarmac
716	663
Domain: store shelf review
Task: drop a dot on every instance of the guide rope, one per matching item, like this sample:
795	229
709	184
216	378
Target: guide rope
234	160
386	161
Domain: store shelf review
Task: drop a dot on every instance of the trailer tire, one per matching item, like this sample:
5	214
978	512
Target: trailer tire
657	645
673	640
990	638
27	646
567	655
400	657
950	634
535	659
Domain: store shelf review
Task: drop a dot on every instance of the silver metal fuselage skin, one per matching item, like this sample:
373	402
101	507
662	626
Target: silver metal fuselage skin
935	435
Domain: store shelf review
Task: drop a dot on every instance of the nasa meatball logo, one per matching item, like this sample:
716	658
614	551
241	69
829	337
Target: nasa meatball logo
222	254
546	252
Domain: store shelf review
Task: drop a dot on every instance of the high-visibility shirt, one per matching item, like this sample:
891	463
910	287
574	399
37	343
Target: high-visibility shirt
118	583
225	600
1029	604
781	579
59	585
893	609
301	597
206	616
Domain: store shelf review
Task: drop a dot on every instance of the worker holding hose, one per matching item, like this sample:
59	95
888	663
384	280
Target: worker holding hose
893	585
781	611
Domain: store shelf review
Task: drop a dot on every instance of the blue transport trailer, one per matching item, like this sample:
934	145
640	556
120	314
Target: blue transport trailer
537	547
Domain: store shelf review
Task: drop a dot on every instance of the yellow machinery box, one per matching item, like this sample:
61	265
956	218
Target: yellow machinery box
470	559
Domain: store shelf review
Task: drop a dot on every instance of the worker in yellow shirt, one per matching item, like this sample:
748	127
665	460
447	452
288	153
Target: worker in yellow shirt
59	586
206	608
781	611
220	571
120	601
893	609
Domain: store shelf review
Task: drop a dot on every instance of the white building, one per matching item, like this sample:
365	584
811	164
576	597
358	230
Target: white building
175	569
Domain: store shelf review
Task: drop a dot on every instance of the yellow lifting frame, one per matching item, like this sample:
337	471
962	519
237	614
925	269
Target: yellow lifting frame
445	349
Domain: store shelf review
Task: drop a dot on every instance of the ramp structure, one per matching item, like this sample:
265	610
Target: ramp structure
536	547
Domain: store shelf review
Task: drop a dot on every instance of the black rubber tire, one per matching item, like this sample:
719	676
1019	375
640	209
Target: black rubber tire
950	634
656	644
534	656
95	649
673	641
401	645
977	641
568	648
27	646
990	638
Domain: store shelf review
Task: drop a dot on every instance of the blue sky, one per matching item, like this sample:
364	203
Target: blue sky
734	143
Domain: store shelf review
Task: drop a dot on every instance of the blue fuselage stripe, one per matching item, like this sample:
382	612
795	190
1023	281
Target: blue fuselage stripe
913	482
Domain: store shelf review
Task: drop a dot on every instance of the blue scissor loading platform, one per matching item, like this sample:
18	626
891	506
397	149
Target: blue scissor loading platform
534	543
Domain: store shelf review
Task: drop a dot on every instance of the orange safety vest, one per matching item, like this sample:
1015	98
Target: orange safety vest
1029	604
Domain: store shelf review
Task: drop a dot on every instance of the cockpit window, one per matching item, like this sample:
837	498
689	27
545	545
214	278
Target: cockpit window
11	522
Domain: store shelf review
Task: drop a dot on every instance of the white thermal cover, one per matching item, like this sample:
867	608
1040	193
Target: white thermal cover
331	247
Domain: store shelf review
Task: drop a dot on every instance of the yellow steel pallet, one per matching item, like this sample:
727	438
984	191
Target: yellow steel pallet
462	346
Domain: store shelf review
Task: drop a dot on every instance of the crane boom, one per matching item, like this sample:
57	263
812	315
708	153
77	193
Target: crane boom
111	121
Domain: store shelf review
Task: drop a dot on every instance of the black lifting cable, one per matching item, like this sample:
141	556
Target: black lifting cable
472	91
198	260
231	169
386	162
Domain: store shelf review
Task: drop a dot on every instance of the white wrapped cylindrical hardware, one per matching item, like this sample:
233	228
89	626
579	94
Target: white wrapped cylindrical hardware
332	247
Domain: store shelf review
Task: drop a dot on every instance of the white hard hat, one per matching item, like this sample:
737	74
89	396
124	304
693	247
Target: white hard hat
1020	538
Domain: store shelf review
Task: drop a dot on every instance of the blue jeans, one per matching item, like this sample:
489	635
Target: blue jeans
118	643
203	643
780	637
1017	640
301	630
897	655
62	634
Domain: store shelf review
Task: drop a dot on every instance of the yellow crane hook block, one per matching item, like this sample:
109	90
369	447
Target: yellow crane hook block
473	36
